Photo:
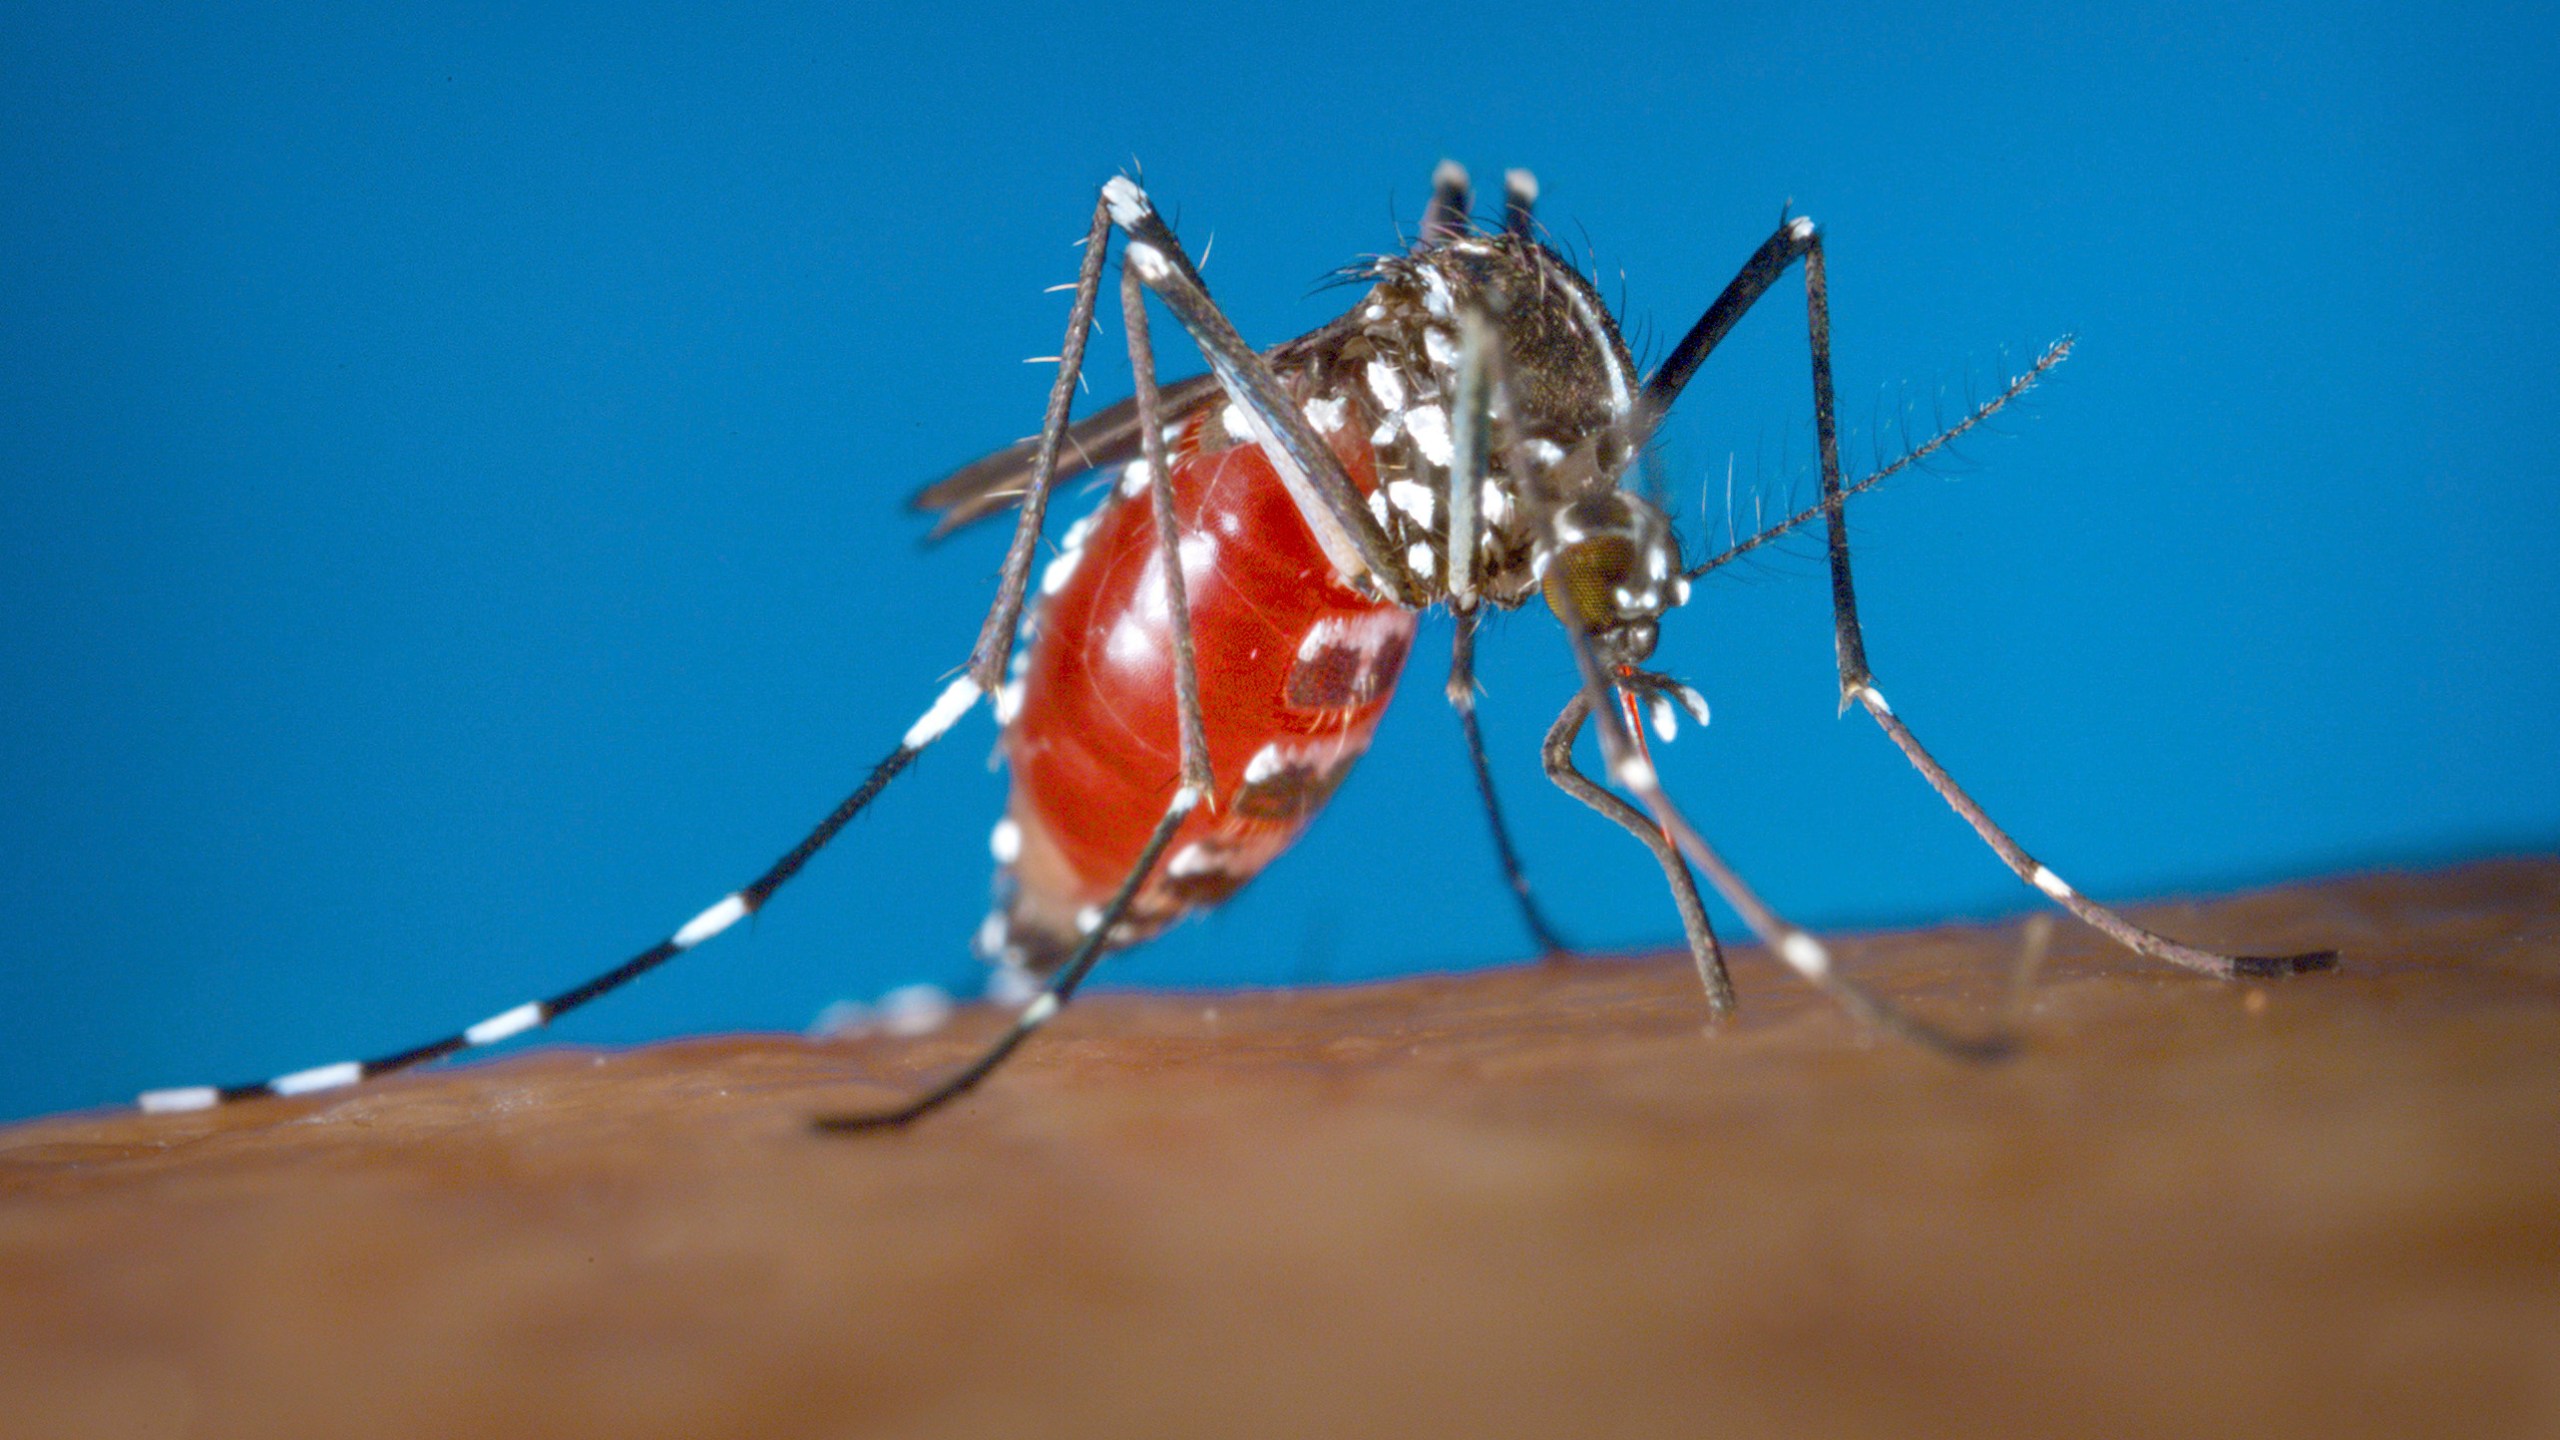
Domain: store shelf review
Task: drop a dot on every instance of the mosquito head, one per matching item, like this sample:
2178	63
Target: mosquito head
1611	567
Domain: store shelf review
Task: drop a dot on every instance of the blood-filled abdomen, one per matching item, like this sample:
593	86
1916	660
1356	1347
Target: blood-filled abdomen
1295	670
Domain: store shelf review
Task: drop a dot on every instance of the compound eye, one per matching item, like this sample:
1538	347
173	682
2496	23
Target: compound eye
1584	579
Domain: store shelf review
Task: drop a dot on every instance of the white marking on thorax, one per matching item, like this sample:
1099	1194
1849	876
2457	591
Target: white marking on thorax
1387	385
1325	414
1443	350
1413	498
1429	427
1435	294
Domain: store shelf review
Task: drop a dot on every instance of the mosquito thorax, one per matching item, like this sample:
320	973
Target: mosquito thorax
1567	384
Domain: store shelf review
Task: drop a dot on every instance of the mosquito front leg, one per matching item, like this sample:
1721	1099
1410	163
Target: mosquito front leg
1703	949
1857	685
1800	948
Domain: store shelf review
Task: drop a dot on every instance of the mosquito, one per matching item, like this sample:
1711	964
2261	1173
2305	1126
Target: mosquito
1207	655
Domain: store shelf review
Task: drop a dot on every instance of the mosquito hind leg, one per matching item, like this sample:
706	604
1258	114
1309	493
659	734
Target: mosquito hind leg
994	647
1857	685
958	696
1197	782
1044	1006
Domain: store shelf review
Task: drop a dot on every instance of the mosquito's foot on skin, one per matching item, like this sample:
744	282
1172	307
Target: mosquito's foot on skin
2260	967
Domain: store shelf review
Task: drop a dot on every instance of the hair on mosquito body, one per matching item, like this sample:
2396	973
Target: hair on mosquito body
1184	678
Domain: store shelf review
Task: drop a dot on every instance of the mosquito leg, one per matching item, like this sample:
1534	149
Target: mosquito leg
1462	698
1197	781
1798	947
1857	684
1703	949
1333	507
995	638
956	700
1053	996
985	668
1186	664
1480	380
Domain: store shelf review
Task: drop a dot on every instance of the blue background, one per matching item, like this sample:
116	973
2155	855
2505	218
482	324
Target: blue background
453	468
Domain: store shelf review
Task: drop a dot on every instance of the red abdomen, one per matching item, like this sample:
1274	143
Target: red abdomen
1295	670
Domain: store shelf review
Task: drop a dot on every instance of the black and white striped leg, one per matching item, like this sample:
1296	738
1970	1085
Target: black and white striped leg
1053	996
1857	685
1335	511
1462	698
984	671
1798	947
1703	948
1197	782
955	701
